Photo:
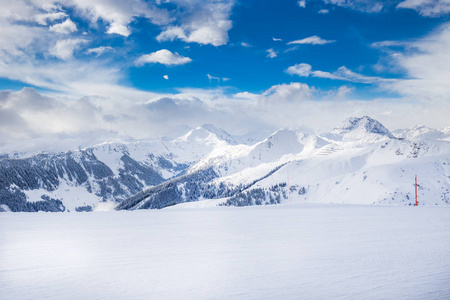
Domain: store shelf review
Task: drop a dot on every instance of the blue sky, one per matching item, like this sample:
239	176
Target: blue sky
128	63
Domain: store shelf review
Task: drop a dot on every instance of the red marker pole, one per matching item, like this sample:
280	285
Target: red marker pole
416	191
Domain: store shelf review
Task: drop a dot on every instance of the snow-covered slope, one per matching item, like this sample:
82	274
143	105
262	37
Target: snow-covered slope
380	173
285	252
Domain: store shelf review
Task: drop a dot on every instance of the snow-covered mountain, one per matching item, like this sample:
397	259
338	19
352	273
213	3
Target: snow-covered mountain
79	180
360	161
361	131
421	132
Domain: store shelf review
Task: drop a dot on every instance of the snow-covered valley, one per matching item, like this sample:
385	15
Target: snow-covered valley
290	251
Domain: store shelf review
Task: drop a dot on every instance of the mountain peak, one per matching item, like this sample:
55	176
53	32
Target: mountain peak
357	128
202	132
219	133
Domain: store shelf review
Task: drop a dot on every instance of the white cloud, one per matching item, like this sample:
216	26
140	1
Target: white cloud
118	14
120	29
276	39
344	91
303	70
99	50
246	45
218	79
166	77
426	63
164	57
369	6
383	44
16	39
210	78
293	91
44	18
65	27
171	33
323	11
27	11
302	3
271	53
427	8
64	49
312	40
343	73
203	22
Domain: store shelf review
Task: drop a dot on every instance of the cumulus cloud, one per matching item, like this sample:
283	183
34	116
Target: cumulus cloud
203	22
164	57
293	91
271	53
119	29
302	3
312	40
344	91
30	39
65	27
300	69
118	14
64	49
49	17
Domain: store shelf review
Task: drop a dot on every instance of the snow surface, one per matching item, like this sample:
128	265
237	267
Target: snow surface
271	252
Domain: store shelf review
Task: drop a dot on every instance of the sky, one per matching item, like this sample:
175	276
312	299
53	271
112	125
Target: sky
74	73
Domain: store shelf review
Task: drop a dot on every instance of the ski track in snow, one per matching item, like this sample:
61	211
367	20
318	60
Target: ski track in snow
272	252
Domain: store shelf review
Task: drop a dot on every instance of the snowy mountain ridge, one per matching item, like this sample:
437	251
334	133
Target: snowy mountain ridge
360	161
361	131
107	172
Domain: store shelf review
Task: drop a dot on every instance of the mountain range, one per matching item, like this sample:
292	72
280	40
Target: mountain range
358	162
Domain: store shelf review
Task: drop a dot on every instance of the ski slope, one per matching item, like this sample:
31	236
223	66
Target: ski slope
267	252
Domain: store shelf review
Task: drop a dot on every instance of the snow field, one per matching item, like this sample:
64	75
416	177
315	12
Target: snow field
272	252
